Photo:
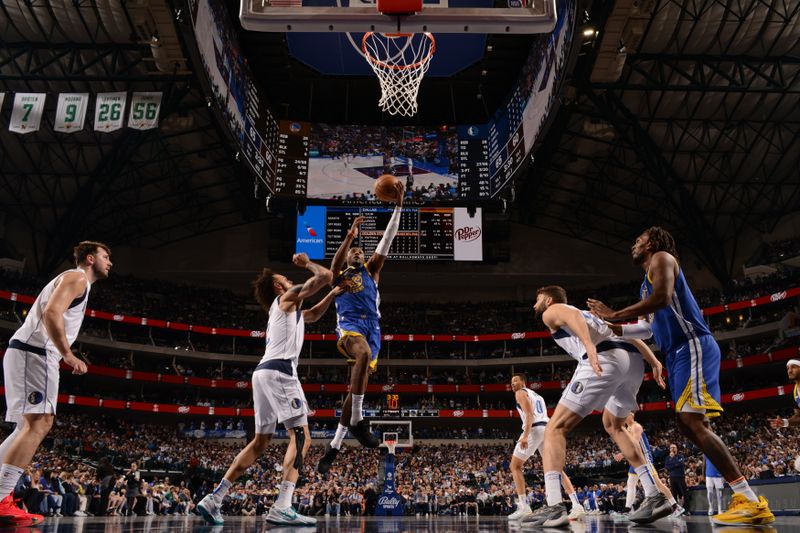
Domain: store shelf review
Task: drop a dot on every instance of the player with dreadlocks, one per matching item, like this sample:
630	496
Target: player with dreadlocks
693	360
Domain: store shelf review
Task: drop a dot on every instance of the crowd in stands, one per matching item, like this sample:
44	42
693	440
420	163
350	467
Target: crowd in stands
774	252
85	467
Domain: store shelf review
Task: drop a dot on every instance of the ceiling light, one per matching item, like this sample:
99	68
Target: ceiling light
588	32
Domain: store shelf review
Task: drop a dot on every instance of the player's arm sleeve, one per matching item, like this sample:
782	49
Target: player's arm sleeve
640	330
389	233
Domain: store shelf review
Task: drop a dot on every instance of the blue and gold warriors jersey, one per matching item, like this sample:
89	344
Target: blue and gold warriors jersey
797	395
357	310
693	356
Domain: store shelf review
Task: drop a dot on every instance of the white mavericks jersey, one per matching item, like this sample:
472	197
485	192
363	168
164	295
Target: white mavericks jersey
33	331
285	333
539	409
598	332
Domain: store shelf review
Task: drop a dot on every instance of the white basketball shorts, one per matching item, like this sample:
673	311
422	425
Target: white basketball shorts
31	382
535	442
278	398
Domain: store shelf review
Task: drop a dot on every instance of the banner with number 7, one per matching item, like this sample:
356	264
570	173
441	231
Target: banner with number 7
71	112
27	112
144	111
109	111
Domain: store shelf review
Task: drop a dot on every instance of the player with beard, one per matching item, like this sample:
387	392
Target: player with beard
693	362
31	367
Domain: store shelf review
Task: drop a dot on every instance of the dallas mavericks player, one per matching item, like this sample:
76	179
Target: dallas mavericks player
693	359
533	413
608	377
714	486
31	367
358	327
639	438
278	397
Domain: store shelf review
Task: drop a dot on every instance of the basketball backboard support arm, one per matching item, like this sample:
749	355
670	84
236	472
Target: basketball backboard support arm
540	17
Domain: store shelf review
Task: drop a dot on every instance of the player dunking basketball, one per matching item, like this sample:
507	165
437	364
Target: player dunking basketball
278	397
31	367
693	361
358	327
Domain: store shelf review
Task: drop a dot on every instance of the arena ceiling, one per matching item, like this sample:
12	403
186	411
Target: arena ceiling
699	132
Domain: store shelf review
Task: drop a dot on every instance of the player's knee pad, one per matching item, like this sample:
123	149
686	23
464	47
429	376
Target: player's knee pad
299	442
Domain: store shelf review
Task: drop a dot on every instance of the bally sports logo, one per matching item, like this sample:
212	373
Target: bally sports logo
468	234
389	501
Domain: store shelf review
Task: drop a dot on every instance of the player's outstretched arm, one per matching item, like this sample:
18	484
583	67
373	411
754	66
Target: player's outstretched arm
652	360
316	312
375	263
339	259
558	315
322	277
779	422
71	286
662	276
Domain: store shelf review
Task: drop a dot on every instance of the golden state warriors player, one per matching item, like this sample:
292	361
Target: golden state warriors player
793	370
358	327
693	360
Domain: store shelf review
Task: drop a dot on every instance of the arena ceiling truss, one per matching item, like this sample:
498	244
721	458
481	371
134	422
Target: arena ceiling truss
146	188
685	114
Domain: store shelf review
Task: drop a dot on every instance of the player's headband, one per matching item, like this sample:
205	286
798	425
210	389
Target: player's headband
792	362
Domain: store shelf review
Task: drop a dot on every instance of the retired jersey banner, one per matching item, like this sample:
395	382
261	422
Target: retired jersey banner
71	112
27	112
144	111
109	111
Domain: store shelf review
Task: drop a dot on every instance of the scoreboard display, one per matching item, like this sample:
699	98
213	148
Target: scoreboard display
432	233
293	142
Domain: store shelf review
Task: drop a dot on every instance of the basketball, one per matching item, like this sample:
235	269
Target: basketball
386	188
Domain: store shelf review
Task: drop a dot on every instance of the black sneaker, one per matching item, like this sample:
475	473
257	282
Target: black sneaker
327	460
651	509
548	516
362	433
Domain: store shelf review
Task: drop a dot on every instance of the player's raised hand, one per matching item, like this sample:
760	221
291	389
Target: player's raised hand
401	192
301	260
594	359
599	309
353	232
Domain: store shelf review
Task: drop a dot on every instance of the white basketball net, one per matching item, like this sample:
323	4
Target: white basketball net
399	60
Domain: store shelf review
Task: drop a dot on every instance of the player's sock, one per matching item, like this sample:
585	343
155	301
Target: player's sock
552	487
341	433
573	497
356	415
648	483
521	501
9	475
630	495
285	495
221	490
673	502
8	442
741	486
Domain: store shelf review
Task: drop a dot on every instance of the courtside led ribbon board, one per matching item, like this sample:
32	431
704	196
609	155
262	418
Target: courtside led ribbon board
71	112
26	115
144	111
109	111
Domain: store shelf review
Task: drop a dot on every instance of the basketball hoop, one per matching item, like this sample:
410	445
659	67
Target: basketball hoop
390	444
399	60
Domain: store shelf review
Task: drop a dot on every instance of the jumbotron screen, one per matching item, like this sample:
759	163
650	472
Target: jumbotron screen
425	233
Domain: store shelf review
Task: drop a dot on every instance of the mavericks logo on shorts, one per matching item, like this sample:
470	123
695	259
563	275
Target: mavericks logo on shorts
295	403
577	387
35	397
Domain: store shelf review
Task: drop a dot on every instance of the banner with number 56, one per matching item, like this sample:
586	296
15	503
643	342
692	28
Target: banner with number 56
71	112
109	111
144	111
27	112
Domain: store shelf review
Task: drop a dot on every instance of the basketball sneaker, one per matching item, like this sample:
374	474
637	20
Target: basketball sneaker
744	512
678	511
288	517
362	433
12	515
577	513
548	516
327	460
651	509
523	511
209	510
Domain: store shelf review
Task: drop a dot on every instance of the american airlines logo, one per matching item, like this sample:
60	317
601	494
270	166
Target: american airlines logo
737	397
778	296
468	233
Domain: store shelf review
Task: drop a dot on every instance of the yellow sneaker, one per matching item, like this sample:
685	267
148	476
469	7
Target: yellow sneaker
744	512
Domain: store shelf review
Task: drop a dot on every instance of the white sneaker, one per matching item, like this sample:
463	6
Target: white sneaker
679	511
711	512
209	510
78	513
288	517
577	513
522	512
